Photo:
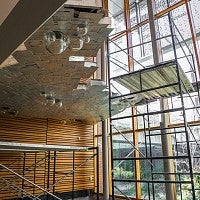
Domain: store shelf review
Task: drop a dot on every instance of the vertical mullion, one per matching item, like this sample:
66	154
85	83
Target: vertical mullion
105	6
193	33
73	174
150	151
111	136
146	151
48	173
128	34
97	171
54	172
186	130
131	67
23	173
140	29
34	178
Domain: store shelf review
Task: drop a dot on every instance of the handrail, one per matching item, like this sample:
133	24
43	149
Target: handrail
35	166
70	172
15	187
45	191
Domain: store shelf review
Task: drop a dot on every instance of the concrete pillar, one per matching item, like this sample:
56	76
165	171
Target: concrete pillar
165	139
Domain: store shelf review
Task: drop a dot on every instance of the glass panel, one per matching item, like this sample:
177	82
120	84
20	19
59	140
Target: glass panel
121	125
121	146
124	188
116	11
159	191
160	5
195	7
123	169
180	20
145	190
143	10
145	169
134	15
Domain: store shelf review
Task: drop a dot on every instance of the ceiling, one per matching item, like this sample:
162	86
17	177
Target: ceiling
6	8
32	71
24	18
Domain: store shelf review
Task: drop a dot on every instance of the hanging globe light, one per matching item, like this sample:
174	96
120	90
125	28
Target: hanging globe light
82	29
86	38
76	43
56	42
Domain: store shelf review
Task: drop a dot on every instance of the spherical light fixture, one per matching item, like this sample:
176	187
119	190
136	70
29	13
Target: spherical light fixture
50	100
82	29
56	42
58	103
76	43
86	38
13	113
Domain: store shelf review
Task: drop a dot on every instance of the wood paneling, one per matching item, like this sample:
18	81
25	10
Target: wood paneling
23	130
73	133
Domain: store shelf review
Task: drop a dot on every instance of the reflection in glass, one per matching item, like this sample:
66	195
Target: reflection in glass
76	43
56	42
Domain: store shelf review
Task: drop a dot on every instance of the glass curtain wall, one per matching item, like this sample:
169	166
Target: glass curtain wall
141	168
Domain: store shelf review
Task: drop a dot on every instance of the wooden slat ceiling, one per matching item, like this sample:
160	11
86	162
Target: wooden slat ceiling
39	71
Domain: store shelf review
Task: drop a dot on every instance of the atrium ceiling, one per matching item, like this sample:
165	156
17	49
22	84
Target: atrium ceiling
36	83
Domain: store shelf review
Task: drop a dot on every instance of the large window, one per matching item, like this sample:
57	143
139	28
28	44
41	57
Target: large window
142	167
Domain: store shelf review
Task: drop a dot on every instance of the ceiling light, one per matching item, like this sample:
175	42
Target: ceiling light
58	103
43	93
50	100
56	42
8	112
76	43
13	113
4	111
86	38
82	29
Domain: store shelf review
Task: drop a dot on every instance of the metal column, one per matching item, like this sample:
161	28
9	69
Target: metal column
54	172
104	136
105	161
73	174
97	171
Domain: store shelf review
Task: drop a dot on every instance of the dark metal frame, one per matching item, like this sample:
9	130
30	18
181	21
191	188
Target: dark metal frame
147	114
46	162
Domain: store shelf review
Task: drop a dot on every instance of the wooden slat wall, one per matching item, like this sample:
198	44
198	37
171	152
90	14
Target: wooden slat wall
49	131
13	161
72	133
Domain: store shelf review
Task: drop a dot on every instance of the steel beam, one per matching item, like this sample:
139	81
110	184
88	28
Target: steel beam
38	147
23	21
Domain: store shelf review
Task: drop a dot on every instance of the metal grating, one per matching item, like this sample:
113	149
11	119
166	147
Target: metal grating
155	82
